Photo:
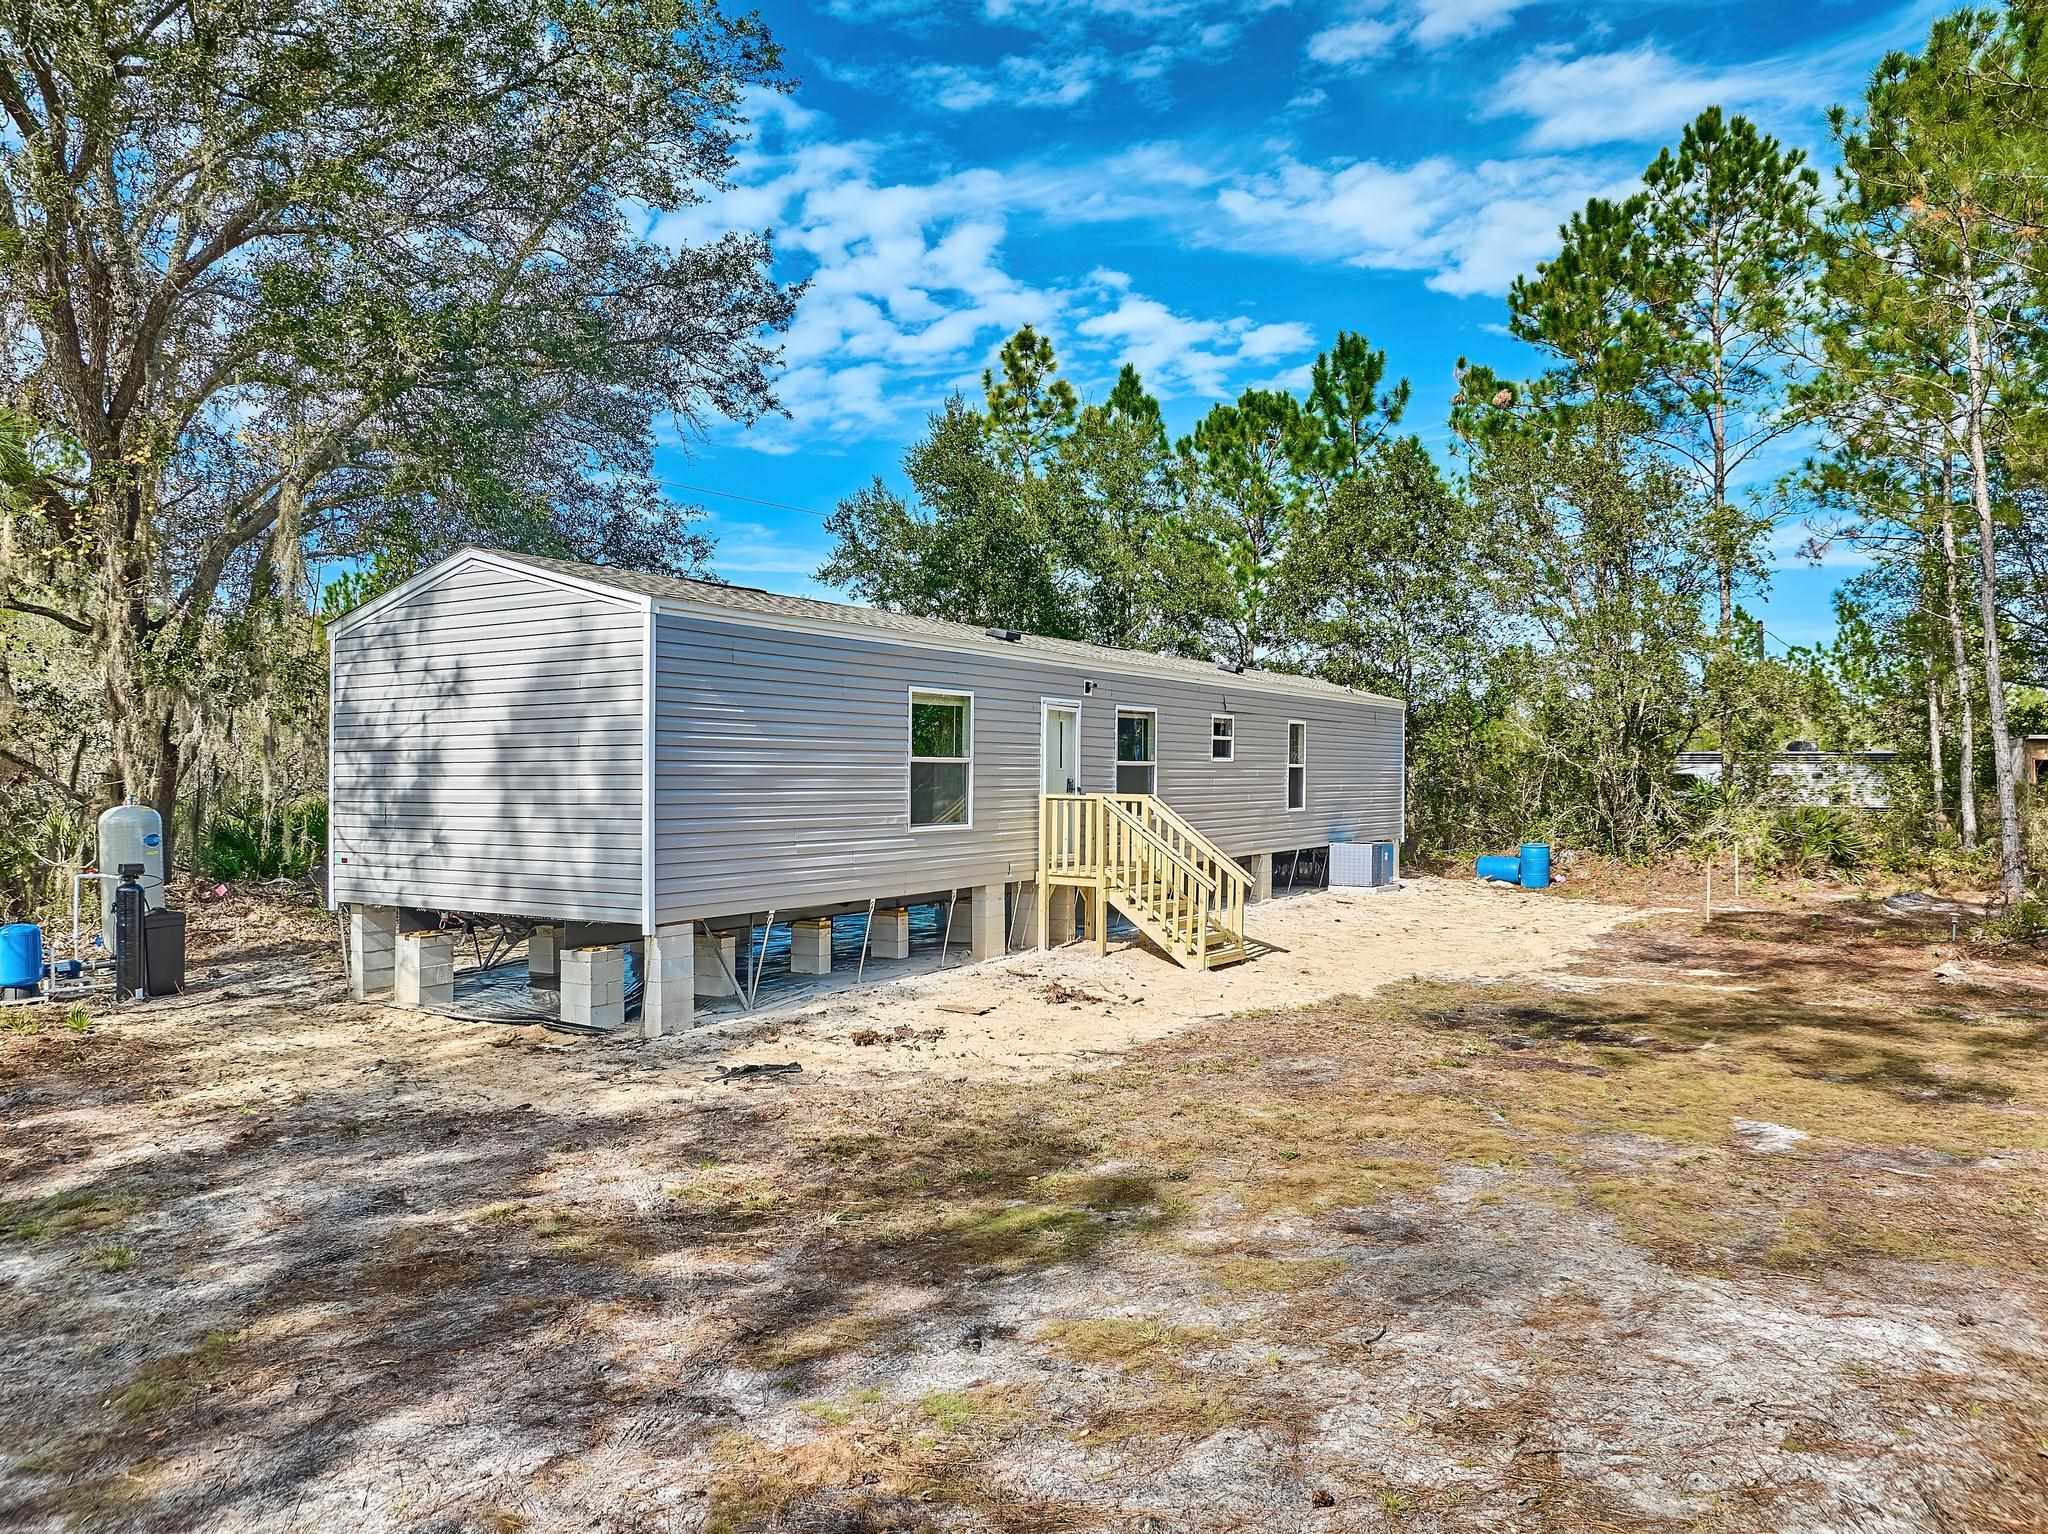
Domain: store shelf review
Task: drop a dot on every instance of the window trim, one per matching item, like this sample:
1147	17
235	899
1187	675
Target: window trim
1116	762
1045	708
910	759
1230	740
1291	766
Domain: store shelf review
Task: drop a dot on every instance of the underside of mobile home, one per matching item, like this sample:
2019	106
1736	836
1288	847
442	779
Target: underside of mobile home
623	757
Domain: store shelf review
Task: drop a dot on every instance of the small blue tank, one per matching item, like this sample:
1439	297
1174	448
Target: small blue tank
1506	870
1535	865
21	957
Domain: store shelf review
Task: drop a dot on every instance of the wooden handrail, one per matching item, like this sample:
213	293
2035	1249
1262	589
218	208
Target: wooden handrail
1137	851
1225	863
1160	844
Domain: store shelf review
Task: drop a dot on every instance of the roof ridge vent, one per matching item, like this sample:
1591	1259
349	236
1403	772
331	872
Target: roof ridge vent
1007	636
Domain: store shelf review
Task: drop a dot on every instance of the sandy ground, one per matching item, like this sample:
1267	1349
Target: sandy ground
264	1031
1050	1012
1600	1227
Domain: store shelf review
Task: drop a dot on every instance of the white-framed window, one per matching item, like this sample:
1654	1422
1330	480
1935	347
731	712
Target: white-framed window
1222	738
1137	750
941	758
1297	764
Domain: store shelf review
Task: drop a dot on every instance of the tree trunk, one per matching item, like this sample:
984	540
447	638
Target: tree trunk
2011	861
1725	553
1959	650
1934	772
166	794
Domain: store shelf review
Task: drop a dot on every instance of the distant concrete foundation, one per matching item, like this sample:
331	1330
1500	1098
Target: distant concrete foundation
425	975
1260	866
716	979
1062	915
372	951
889	938
810	947
1024	925
544	954
594	987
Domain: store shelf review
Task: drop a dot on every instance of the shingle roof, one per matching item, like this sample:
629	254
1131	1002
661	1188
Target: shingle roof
769	604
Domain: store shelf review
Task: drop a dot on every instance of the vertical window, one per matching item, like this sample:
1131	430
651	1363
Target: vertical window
1137	744
1297	764
941	758
1222	738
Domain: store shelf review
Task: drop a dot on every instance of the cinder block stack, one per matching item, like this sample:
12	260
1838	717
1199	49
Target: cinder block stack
891	937
715	979
594	987
426	969
372	950
810	947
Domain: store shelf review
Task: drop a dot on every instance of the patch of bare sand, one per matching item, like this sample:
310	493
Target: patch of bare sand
1044	1013
266	1036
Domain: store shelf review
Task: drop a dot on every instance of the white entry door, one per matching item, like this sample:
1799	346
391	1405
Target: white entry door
1062	748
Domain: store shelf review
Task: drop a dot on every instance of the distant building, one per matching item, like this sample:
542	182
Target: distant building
2030	758
1813	776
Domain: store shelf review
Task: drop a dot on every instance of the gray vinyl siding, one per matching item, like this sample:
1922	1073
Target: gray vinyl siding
781	761
488	751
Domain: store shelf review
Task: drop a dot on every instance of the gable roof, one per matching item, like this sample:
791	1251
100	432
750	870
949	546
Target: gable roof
749	603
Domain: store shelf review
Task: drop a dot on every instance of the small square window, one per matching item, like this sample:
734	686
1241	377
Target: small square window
1222	737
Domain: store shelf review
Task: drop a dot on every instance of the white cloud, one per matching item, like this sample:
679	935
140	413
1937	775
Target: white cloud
1064	75
1017	81
1473	229
1307	101
1179	354
1371	29
778	110
1437	22
1262	343
910	293
1353	42
1294	380
1159	165
1639	93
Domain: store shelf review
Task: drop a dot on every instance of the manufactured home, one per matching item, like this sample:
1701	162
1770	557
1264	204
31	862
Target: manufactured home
623	758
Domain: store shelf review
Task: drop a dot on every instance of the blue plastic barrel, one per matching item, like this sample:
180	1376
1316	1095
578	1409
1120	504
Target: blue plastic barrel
1535	865
21	956
1506	870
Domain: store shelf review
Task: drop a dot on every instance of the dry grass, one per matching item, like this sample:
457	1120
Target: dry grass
1429	1254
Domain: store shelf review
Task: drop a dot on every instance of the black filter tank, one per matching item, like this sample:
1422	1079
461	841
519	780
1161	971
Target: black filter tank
131	947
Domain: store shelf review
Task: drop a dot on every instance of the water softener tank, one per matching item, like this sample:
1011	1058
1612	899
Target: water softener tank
131	833
21	957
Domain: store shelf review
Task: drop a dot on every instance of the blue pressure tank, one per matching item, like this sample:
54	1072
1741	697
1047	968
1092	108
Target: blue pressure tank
21	956
1535	865
1506	870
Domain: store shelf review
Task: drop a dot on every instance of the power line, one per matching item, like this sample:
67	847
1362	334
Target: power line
734	495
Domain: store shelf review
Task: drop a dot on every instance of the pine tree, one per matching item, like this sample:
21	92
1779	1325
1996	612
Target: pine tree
1942	204
1681	305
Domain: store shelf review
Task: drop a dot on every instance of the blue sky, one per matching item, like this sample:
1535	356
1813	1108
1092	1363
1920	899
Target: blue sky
1210	189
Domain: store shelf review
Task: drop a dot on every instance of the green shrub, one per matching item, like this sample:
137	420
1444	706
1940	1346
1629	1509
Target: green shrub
241	842
2026	922
1823	839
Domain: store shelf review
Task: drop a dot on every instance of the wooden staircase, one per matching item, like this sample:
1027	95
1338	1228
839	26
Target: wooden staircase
1134	853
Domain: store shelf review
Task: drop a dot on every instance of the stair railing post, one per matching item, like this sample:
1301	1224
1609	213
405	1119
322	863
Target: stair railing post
1099	814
